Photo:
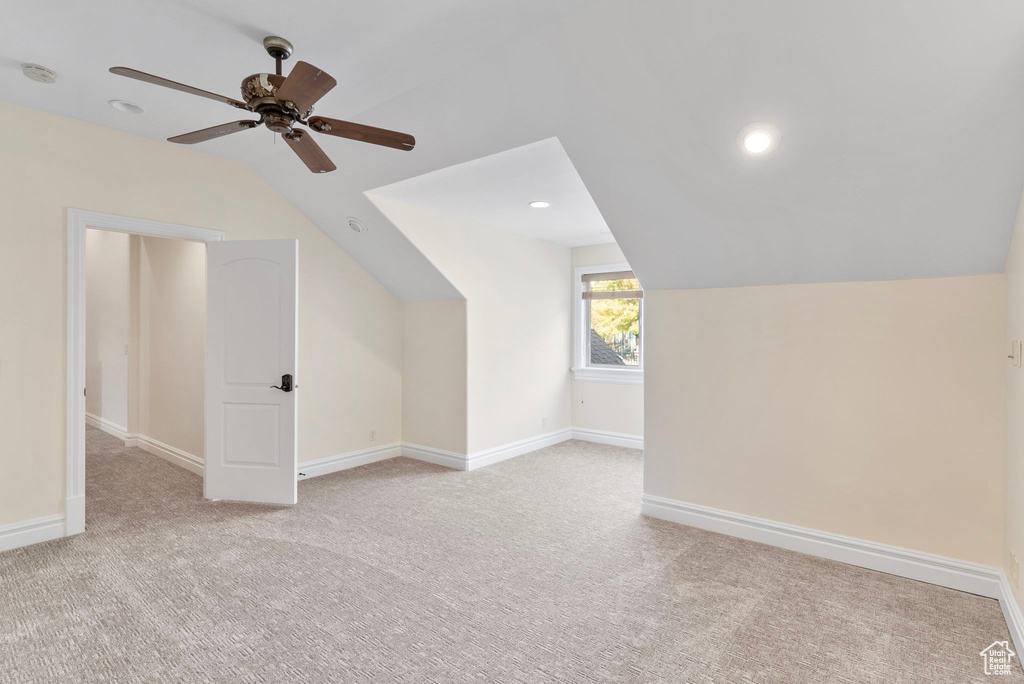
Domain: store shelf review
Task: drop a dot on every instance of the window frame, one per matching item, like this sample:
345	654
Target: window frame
582	369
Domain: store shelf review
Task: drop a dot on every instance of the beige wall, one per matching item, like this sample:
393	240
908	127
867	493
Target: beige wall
150	292
172	342
599	405
434	375
517	320
1014	462
870	409
608	407
106	332
350	341
608	253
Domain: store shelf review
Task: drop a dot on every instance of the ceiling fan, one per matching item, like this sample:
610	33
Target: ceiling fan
281	103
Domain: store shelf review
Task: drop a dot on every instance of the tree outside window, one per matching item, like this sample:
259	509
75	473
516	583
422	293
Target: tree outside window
614	313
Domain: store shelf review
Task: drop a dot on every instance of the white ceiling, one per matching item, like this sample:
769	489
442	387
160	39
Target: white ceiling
902	152
375	50
497	190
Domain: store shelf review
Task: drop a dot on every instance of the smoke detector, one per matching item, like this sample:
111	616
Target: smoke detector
356	225
39	74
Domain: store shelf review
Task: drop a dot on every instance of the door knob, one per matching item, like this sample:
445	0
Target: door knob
286	384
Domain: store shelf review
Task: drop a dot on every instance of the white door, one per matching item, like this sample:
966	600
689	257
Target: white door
252	300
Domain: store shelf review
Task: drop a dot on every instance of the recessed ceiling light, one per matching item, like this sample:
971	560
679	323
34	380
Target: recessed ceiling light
126	106
356	225
758	138
39	74
540	205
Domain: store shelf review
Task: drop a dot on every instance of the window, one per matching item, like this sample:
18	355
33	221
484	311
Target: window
609	325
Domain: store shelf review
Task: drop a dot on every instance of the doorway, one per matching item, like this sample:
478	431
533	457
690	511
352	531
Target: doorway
146	344
251	353
125	406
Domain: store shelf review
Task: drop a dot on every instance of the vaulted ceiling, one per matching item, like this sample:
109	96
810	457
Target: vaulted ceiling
902	152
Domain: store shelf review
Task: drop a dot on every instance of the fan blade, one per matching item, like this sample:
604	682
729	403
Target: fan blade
174	85
304	86
213	132
363	133
309	152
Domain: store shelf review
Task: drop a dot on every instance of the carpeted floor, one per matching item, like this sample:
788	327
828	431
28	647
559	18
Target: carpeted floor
537	569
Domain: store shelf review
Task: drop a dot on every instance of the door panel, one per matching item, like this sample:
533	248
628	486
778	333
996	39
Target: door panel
251	343
252	289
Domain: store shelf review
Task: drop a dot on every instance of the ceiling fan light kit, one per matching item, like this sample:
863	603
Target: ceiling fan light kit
282	103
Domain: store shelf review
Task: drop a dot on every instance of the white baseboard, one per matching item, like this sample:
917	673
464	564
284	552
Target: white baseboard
449	459
524	446
486	457
352	459
170	454
105	425
1011	612
31	531
619	439
440	457
925	567
74	515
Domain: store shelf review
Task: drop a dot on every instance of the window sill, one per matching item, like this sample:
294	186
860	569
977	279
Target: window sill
614	376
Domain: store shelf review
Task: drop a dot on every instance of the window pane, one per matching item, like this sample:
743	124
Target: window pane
615	330
614	285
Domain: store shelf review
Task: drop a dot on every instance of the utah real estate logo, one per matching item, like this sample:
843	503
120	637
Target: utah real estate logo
998	658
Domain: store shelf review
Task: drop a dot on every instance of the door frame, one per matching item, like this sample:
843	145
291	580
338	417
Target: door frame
78	220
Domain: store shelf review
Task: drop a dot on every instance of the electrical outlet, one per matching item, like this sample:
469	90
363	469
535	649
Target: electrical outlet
373	435
544	421
1014	570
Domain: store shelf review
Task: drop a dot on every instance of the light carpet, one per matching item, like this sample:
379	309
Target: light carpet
537	569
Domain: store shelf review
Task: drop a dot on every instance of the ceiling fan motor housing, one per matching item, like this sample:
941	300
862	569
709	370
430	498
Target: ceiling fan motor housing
258	92
259	89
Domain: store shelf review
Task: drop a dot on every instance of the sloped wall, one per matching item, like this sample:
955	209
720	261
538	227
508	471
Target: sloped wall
349	325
